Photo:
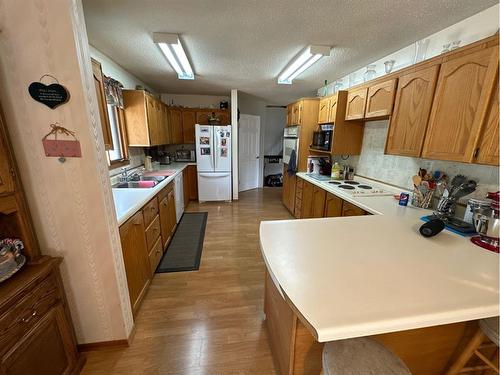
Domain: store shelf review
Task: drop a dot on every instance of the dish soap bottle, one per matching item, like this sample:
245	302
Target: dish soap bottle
336	171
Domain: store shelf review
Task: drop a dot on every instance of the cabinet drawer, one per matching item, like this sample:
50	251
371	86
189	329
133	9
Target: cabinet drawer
153	232
155	255
150	211
28	311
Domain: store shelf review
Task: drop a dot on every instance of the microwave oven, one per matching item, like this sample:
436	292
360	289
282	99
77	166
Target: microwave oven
322	140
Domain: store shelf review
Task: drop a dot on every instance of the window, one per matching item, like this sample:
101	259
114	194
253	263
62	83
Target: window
119	154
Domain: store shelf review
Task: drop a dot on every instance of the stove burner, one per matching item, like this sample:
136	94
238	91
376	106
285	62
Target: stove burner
351	182
347	187
334	182
365	187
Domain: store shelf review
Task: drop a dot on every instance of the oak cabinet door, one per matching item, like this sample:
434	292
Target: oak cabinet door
318	202
165	125
380	99
332	109
349	209
102	104
152	113
411	112
193	182
289	112
356	103
296	113
188	126
135	258
463	91
487	149
171	211
307	200
47	349
166	228
162	123
224	117
333	206
202	117
324	105
175	122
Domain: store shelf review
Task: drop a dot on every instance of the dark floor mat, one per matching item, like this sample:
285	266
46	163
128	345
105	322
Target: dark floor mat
184	251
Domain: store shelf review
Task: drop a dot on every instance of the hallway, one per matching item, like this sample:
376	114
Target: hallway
209	321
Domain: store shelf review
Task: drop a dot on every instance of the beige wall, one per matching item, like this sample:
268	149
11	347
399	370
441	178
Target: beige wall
71	203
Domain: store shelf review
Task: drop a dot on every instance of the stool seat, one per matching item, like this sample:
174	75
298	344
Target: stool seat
361	356
489	327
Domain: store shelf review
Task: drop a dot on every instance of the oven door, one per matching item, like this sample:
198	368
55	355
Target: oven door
290	144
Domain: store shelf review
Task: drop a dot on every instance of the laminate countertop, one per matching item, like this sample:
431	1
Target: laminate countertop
357	276
129	201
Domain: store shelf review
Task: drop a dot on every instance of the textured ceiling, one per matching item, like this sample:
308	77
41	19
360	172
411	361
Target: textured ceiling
244	44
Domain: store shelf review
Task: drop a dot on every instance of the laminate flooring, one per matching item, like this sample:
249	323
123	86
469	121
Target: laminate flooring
209	321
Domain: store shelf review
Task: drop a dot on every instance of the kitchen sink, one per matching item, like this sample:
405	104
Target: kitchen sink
135	180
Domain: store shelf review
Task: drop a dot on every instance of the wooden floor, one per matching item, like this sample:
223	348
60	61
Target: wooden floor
208	321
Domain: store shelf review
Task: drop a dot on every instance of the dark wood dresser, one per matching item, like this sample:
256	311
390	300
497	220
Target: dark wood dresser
36	332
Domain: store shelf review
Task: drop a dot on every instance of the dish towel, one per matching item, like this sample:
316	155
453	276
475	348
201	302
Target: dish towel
292	163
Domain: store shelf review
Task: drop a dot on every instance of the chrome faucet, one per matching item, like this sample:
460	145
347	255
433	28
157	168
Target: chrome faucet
135	175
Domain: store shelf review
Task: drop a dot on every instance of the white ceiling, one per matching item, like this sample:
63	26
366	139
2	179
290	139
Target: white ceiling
245	44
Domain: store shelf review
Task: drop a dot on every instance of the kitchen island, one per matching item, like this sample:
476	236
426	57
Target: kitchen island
371	275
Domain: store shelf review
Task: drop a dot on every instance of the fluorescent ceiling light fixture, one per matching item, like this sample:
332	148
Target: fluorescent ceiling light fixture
303	61
171	47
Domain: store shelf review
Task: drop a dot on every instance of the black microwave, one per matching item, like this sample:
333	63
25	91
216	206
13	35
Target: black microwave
322	140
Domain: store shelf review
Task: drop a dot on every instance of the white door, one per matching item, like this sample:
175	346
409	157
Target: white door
222	148
204	148
249	151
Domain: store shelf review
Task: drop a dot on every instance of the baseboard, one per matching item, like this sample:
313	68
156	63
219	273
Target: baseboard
104	345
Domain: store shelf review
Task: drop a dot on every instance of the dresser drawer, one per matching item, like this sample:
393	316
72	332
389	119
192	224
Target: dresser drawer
150	211
27	312
155	255
153	232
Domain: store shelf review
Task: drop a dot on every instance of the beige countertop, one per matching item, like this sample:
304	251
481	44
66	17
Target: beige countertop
129	201
364	275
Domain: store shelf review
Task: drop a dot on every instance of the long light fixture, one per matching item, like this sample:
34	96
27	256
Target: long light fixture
303	61
171	47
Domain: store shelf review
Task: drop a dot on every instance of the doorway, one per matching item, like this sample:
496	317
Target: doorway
249	152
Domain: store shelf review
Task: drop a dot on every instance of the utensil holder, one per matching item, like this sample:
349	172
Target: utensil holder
446	207
420	199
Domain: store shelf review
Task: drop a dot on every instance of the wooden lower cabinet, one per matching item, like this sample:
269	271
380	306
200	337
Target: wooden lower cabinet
288	192
193	182
349	209
333	206
36	333
168	220
135	258
313	201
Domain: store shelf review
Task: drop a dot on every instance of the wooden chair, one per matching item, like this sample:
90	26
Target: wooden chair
485	337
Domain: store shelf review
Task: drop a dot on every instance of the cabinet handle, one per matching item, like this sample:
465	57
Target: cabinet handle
28	319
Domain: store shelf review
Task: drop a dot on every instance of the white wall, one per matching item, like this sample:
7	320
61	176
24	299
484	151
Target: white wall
71	203
469	30
273	131
194	101
111	69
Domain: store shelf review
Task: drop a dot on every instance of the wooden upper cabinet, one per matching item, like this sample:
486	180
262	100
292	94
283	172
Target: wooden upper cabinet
188	126
175	122
356	103
202	117
380	99
463	92
411	112
225	117
164	124
102	104
332	108
487	148
324	106
296	117
152	113
289	111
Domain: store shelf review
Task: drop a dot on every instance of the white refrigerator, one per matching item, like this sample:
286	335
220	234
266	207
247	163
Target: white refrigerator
213	160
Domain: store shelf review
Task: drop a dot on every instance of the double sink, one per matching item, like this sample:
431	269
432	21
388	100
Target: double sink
137	182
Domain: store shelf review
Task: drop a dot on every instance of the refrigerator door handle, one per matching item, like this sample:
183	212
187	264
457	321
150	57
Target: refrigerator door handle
214	175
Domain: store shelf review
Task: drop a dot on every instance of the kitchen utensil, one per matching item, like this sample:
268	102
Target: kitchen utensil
416	180
431	228
456	182
488	225
464	189
476	207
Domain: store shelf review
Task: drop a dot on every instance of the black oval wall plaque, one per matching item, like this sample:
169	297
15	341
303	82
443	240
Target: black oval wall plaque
52	95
